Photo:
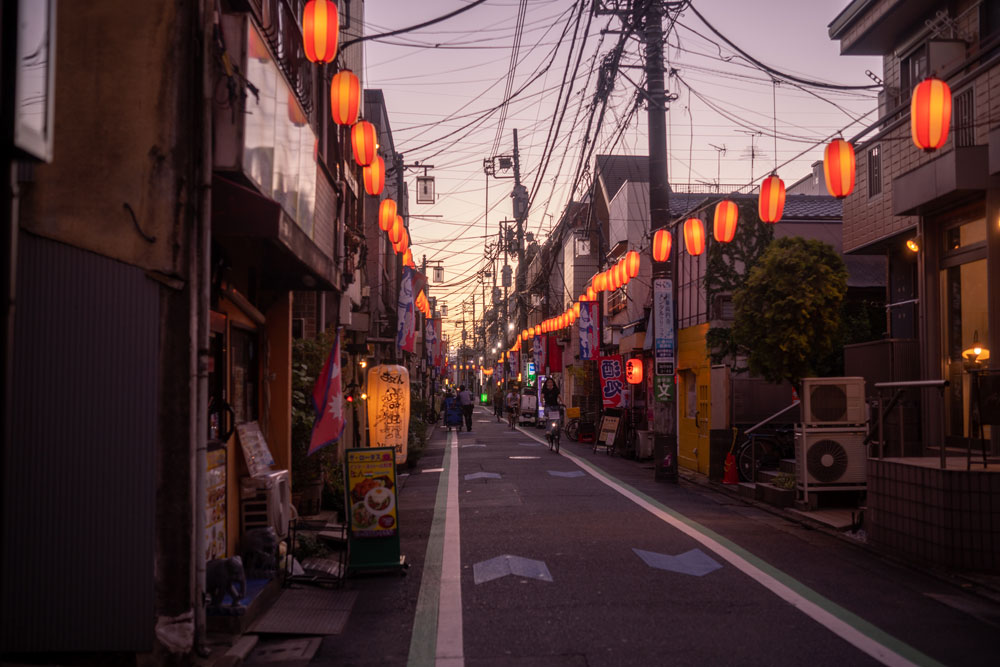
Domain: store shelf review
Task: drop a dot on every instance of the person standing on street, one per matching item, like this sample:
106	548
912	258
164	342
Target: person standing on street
465	400
498	402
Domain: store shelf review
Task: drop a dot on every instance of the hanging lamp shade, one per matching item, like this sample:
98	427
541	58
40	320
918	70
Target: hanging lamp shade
345	97
694	236
396	230
386	214
576	310
661	245
320	29
363	142
374	176
771	204
632	260
727	214
930	114
839	167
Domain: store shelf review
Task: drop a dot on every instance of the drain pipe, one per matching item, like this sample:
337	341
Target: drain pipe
200	281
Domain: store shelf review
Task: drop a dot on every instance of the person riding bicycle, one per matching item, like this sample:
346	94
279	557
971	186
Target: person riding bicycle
513	402
550	394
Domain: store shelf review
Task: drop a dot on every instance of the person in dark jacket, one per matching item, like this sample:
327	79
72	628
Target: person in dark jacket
465	400
550	394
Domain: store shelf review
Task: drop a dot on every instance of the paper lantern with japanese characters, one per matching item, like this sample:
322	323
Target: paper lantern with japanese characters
633	371
389	408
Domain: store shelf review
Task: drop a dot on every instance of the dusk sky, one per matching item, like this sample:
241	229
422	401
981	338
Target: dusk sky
440	79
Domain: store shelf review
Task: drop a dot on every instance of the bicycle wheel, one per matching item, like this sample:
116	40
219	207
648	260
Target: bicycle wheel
556	437
573	429
756	454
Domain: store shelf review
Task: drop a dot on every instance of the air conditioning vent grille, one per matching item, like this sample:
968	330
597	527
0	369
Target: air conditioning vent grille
826	461
829	402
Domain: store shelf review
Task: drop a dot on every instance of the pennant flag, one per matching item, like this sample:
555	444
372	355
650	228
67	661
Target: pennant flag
328	402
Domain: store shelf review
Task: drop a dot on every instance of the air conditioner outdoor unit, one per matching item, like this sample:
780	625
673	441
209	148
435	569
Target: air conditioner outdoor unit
833	401
267	501
830	459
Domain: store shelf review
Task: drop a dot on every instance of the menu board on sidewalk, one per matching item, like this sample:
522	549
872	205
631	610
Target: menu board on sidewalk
609	428
372	511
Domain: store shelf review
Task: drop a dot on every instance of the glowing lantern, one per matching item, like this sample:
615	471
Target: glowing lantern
374	176
771	204
538	330
599	283
661	245
621	275
632	263
320	29
930	114
591	294
389	408
633	371
839	167
345	97
408	258
403	244
576	310
386	214
694	236
396	231
363	141
726	216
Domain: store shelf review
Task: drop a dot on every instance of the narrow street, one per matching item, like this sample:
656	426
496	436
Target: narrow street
554	570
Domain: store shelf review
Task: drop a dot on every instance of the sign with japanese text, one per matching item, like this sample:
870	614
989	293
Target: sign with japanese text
612	381
663	388
371	489
389	408
540	350
589	324
663	326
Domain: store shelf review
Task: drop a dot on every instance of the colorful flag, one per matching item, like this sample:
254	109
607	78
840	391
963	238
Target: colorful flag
589	328
430	342
406	332
555	356
514	365
439	344
328	402
612	381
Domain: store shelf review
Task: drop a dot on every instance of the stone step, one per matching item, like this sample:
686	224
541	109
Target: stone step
748	490
787	465
775	496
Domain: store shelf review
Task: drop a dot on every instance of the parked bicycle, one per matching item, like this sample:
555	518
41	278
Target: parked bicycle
763	450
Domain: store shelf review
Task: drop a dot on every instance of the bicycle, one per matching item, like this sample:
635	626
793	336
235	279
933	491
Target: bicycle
553	428
763	450
572	429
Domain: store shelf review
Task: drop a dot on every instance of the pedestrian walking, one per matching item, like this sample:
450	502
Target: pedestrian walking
465	400
498	403
513	402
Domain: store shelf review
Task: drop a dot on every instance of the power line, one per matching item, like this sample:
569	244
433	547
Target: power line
445	17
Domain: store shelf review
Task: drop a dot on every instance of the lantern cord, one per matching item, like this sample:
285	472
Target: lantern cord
771	70
774	117
418	26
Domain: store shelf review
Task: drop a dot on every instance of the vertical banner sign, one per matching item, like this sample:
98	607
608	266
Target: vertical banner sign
372	515
328	402
406	334
514	365
389	408
539	349
663	326
589	326
612	381
438	357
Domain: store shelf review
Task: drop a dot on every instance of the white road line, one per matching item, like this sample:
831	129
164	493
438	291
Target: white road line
827	613
450	649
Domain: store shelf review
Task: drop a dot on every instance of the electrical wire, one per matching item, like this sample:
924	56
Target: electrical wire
445	17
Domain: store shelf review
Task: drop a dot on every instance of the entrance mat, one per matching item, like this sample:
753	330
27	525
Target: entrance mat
286	652
307	611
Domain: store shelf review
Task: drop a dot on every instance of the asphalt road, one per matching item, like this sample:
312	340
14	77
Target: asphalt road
744	587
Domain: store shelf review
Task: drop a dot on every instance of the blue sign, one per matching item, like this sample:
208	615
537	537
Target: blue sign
531	368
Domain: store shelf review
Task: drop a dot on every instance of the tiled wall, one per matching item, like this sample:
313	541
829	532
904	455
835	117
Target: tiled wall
945	518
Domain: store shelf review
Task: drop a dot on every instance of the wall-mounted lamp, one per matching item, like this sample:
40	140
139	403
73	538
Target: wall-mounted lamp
977	353
913	245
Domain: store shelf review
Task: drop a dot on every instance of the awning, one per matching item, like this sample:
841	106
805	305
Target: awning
245	220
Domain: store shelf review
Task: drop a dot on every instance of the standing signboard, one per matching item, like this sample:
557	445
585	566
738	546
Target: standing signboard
612	382
663	326
372	514
389	408
608	433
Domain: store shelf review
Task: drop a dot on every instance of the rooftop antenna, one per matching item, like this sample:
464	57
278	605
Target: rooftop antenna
720	151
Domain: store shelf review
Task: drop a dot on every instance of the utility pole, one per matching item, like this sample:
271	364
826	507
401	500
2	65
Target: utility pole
520	197
665	443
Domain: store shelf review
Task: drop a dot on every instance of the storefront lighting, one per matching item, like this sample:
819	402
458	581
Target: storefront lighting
913	245
977	353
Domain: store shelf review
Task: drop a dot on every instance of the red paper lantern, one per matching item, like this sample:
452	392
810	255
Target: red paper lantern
386	214
408	258
576	310
694	236
396	230
661	245
632	260
538	330
839	168
727	214
374	176
345	97
320	30
771	203
930	114
633	371
599	284
363	141
404	242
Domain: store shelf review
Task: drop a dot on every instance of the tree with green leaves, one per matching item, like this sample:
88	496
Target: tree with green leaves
788	313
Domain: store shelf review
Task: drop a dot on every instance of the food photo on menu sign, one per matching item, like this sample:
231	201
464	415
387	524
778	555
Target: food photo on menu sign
373	496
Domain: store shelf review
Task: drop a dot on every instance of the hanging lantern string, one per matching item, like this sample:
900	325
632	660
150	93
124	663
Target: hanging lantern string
774	116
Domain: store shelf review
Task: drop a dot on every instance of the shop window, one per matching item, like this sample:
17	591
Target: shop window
244	374
874	170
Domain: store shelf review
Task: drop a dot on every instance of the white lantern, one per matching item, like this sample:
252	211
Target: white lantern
389	408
